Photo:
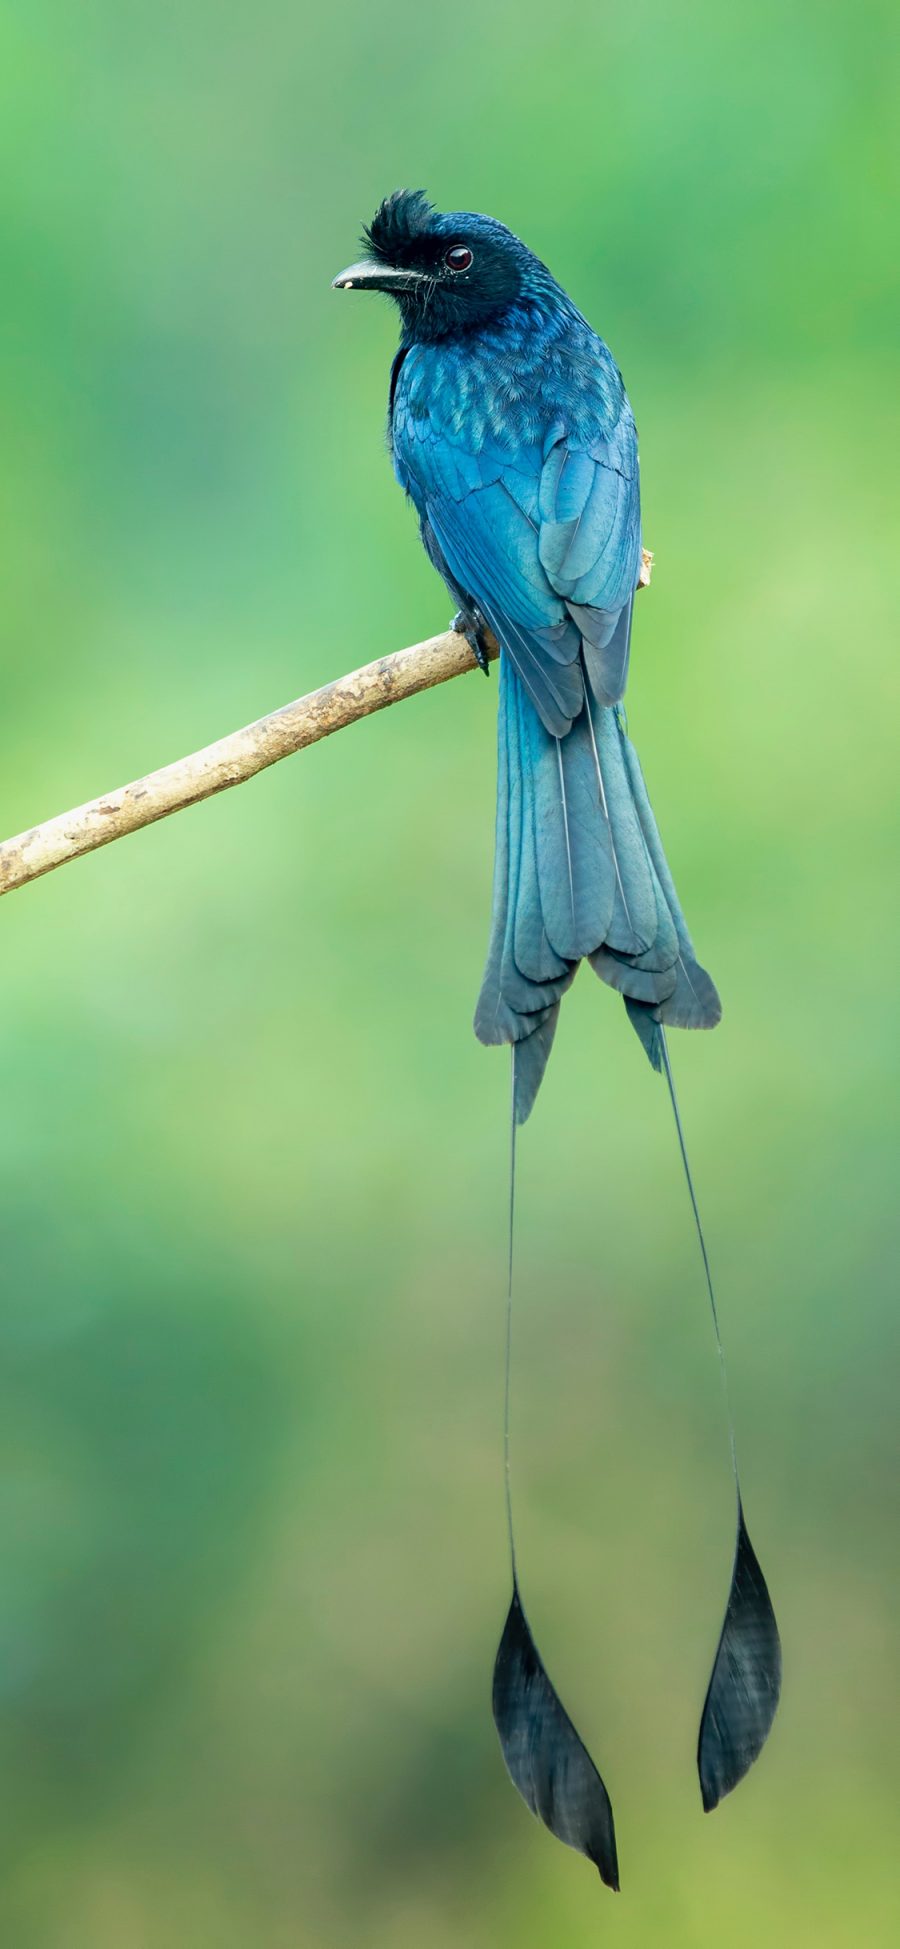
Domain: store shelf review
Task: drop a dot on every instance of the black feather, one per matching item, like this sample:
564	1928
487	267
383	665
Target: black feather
547	1761
746	1680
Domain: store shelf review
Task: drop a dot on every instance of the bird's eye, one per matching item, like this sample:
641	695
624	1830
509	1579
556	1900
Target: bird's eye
458	257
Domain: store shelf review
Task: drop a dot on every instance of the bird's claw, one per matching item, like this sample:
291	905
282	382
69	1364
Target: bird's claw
473	628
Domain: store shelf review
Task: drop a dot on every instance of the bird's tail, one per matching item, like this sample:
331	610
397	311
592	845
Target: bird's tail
579	872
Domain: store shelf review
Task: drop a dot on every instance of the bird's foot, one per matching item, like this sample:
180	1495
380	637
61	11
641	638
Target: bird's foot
470	623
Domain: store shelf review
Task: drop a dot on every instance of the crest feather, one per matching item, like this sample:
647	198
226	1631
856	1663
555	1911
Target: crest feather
399	220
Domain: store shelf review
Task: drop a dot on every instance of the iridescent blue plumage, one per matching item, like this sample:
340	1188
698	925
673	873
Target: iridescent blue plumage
512	434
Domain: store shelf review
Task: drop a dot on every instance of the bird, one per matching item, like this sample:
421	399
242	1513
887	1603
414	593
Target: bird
511	433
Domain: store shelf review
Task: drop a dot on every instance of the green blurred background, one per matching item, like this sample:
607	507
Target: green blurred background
252	1161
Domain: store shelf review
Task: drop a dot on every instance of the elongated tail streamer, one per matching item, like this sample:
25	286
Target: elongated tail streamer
546	1759
742	1696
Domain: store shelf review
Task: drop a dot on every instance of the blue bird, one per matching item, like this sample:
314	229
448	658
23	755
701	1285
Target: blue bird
511	432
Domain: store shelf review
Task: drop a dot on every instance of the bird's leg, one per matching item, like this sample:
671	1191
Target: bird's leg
470	623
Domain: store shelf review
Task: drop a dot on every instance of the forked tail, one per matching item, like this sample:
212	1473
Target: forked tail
579	872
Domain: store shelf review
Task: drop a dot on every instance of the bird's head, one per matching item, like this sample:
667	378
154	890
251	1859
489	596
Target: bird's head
447	272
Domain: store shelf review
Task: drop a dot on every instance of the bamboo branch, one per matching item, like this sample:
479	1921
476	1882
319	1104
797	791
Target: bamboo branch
237	757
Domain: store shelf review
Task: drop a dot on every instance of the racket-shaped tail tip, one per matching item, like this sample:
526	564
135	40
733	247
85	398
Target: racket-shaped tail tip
746	1680
545	1758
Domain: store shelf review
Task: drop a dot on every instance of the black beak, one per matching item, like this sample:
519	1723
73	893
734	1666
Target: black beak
372	276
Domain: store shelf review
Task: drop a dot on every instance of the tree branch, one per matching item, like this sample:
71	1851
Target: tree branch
239	756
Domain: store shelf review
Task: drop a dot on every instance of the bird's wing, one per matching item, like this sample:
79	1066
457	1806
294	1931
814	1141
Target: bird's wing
542	539
590	543
481	511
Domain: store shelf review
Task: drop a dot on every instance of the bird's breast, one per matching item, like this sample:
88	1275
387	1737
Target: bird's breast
507	388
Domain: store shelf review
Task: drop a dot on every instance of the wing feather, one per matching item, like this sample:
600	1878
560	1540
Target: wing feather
544	540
